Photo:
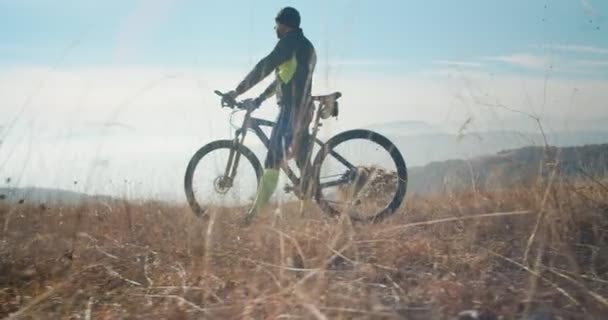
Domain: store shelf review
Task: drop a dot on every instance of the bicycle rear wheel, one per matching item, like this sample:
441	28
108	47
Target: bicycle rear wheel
361	173
207	181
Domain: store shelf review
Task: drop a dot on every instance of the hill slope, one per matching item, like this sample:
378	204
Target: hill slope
422	149
36	195
508	168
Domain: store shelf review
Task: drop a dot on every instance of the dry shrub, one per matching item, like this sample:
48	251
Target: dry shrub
435	258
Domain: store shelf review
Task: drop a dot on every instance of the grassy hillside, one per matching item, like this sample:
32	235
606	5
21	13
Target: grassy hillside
526	250
508	168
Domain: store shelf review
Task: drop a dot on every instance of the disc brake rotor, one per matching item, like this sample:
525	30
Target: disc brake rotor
222	184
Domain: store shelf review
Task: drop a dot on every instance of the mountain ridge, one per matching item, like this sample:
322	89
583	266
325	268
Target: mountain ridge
42	195
520	166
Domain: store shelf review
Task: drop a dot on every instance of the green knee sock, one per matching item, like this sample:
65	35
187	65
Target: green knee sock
266	188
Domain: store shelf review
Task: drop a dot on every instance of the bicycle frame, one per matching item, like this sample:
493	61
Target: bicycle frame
340	171
256	124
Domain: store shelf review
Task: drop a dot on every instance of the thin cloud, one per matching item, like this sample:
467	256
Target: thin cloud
455	63
591	63
111	125
581	67
335	61
529	61
579	48
363	62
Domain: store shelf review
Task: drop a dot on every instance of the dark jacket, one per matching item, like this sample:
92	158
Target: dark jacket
293	60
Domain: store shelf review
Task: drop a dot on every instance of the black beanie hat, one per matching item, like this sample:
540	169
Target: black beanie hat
289	17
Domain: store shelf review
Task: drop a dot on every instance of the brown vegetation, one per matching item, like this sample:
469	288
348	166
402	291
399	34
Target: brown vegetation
504	253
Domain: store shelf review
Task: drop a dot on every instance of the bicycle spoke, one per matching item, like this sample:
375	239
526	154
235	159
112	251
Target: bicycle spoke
362	180
212	187
332	176
342	159
334	183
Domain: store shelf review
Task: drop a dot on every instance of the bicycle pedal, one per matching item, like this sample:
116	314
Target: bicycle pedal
292	189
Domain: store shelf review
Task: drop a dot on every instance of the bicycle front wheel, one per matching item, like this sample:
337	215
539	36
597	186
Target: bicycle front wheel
211	182
360	173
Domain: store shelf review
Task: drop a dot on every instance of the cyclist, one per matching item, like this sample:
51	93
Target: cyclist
293	60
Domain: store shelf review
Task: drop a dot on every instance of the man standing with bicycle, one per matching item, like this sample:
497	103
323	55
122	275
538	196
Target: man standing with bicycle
293	60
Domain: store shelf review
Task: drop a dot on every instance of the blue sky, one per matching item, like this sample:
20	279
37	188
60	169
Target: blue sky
380	36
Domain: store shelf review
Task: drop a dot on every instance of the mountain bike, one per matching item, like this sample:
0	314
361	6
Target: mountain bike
368	187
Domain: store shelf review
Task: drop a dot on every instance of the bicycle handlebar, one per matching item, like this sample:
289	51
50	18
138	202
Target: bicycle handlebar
228	102
232	103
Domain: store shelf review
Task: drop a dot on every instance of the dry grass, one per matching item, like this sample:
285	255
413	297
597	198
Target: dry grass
434	259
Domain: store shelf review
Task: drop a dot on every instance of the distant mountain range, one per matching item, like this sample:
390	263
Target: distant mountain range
521	166
47	196
439	161
527	125
501	170
421	143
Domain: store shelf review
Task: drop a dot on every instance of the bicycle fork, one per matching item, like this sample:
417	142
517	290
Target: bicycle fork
234	157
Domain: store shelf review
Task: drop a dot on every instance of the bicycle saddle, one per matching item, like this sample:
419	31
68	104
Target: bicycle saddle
328	104
332	96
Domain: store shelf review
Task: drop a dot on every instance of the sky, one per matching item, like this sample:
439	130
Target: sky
84	82
398	36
